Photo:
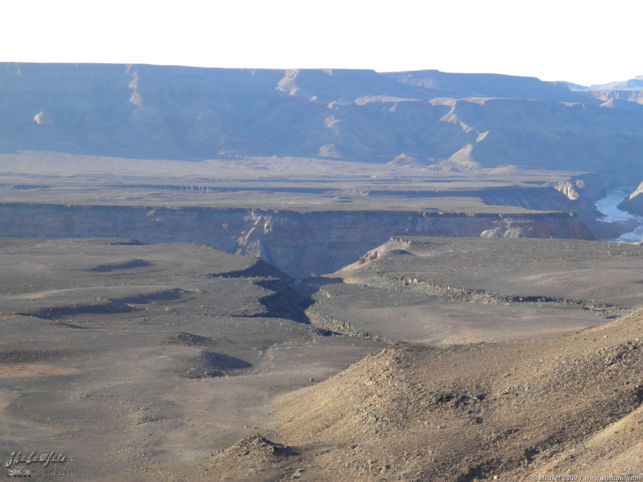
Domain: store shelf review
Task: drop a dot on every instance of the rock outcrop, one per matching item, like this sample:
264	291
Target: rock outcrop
634	202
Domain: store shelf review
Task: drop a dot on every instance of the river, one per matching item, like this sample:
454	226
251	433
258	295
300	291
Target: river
609	207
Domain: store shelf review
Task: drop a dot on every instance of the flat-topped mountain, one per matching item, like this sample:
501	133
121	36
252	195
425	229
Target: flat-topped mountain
145	111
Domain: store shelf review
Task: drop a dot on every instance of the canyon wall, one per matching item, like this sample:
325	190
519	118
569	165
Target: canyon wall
165	112
299	243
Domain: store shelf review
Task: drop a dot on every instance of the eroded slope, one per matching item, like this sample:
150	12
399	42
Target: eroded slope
508	410
567	406
456	290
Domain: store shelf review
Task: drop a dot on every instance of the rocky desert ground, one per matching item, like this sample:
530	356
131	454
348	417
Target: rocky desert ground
180	362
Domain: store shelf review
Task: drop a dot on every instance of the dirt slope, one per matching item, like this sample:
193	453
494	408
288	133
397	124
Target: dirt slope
569	405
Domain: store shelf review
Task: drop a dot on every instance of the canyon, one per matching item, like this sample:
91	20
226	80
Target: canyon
247	274
306	217
309	169
301	244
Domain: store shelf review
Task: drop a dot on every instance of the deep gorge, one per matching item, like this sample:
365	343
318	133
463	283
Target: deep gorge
300	243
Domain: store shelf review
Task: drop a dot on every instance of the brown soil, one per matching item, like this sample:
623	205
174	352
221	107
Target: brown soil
564	406
35	370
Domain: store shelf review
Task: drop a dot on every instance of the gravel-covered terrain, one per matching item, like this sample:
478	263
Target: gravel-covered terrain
427	359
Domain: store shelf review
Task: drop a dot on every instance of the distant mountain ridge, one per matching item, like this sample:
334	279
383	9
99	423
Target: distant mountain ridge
632	84
625	94
145	111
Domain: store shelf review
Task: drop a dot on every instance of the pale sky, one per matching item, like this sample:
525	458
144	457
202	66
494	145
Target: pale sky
580	41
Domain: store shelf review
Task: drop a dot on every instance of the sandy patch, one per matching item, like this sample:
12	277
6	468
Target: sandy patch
35	370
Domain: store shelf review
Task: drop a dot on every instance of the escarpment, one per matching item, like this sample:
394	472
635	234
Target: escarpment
299	243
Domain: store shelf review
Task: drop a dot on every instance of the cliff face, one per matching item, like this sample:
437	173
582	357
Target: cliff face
297	243
634	202
144	111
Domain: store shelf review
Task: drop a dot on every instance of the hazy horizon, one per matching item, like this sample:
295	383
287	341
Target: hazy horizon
552	41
